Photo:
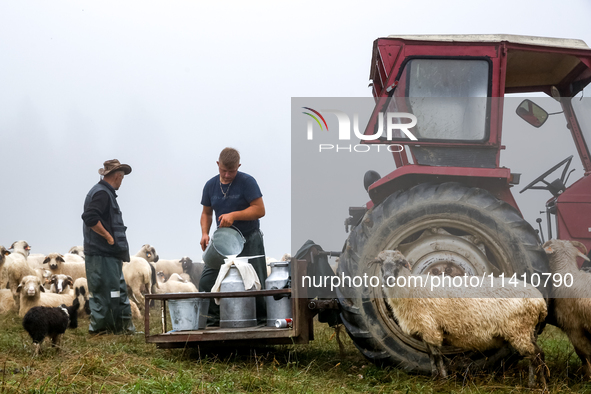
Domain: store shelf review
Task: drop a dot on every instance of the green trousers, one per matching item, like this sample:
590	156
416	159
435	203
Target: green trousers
109	306
252	247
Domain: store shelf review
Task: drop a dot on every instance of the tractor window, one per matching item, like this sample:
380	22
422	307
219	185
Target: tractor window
582	106
448	97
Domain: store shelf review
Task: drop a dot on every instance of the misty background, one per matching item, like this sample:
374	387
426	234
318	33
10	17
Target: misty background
164	86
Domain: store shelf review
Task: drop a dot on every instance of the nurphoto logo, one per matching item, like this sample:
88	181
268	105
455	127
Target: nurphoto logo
394	129
391	119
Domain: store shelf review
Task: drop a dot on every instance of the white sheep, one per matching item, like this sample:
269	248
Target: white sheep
571	305
175	284
148	252
73	258
490	315
3	275
16	267
286	257
57	264
168	267
135	311
139	277
6	301
61	284
35	260
78	250
32	293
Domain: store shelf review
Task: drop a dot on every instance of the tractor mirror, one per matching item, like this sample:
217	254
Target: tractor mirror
532	113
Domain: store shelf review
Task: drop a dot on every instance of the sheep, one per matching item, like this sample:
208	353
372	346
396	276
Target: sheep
35	260
139	276
16	267
61	284
32	293
21	247
138	281
6	301
174	277
79	250
148	252
175	284
571	306
168	267
491	315
186	277
135	312
57	264
46	279
80	289
195	270
73	258
43	321
3	275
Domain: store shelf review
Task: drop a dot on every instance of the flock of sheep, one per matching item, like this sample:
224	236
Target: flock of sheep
28	280
491	315
42	288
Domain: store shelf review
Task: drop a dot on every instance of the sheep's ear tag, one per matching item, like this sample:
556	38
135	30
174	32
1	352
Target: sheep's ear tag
6	253
549	250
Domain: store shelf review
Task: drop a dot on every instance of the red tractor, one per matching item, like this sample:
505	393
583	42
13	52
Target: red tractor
448	206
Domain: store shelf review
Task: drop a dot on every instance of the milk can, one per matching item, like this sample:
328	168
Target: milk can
277	309
240	311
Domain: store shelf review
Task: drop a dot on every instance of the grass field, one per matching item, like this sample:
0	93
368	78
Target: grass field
126	364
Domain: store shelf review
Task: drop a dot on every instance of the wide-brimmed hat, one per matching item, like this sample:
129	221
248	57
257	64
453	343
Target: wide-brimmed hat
114	165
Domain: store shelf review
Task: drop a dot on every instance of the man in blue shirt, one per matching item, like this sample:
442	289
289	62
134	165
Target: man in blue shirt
237	201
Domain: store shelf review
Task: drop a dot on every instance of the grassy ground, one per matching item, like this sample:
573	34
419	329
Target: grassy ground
126	364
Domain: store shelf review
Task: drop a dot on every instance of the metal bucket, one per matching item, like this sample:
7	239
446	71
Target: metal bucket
188	314
226	241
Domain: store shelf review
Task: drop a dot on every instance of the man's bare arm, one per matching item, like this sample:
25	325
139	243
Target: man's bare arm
206	220
255	211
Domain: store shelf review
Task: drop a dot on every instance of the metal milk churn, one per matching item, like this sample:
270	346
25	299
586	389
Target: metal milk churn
236	312
278	309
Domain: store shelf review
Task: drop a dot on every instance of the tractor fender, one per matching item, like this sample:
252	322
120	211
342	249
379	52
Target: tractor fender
497	181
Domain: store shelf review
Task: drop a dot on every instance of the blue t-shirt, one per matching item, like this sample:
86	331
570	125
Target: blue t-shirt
239	194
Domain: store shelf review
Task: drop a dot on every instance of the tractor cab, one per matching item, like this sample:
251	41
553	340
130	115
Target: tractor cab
455	86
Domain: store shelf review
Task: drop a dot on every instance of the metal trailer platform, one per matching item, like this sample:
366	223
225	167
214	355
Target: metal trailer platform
301	333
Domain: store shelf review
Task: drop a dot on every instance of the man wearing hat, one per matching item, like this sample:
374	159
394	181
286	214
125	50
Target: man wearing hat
105	248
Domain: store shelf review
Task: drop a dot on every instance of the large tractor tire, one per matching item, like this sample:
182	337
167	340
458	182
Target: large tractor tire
441	228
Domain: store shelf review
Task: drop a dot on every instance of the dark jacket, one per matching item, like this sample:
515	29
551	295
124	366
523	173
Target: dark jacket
97	207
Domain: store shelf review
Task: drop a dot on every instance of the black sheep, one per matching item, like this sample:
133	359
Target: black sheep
43	321
193	269
81	294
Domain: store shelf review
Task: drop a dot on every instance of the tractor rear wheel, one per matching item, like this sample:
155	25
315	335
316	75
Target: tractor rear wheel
441	228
